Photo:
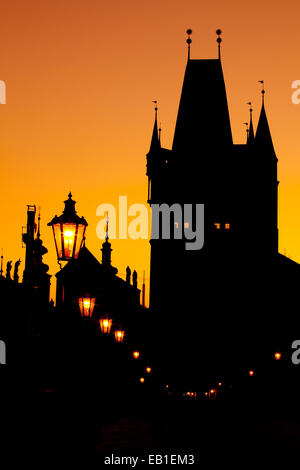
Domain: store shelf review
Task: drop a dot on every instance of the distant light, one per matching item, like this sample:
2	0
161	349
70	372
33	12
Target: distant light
251	373
119	335
206	393
167	386
142	380
105	325
148	370
220	384
277	356
136	354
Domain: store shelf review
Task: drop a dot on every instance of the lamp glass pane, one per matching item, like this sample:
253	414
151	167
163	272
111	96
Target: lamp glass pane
57	239
79	239
69	231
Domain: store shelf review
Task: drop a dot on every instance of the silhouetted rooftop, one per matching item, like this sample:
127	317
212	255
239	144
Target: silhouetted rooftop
203	117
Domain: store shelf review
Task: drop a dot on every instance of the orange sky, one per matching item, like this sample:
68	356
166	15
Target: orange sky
81	76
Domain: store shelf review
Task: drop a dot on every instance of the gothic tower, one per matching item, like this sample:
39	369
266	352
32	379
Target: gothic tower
237	183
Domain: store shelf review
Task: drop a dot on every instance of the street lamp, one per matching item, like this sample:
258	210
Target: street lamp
277	356
119	335
148	370
251	373
86	305
68	231
136	354
105	325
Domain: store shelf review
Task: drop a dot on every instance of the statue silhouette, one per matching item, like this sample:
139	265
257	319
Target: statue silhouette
8	269
16	274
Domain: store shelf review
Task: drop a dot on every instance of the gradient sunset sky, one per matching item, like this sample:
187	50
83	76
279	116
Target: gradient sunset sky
81	77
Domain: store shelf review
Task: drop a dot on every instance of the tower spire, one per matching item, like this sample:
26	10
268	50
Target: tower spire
143	290
250	139
106	247
263	135
155	142
189	42
1	270
219	40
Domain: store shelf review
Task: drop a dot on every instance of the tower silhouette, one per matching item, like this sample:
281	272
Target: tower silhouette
204	298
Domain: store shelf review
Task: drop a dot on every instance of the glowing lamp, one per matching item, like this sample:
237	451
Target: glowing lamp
142	380
105	325
277	356
148	370
251	373
136	354
68	231
86	305
119	335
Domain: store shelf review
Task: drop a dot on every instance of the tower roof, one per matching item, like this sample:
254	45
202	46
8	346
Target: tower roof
263	134
203	116
155	141
251	131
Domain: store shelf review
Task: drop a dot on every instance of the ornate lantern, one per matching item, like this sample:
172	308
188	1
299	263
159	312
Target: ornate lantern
86	305
119	335
68	231
105	325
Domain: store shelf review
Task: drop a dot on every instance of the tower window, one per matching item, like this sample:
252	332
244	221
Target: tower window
217	225
227	226
176	224
186	225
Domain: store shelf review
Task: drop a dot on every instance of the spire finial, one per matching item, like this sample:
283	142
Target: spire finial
189	42
219	40
106	228
262	90
39	223
155	108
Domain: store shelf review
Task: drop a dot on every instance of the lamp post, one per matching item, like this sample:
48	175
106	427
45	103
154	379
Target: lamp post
86	305
68	231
